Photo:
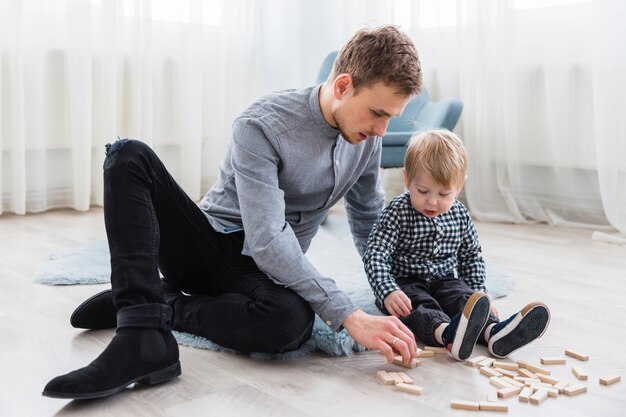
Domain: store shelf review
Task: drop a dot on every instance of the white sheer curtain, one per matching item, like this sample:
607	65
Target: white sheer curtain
76	74
542	83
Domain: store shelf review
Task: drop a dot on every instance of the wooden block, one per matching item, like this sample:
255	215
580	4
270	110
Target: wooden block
385	378
465	405
411	389
532	381
506	365
487	362
526	373
611	379
413	364
575	389
577	355
405	378
533	368
552	392
579	373
488	371
539	396
475	360
498	383
527	381
437	350
508	392
524	395
425	354
493	406
547	379
397	379
539	385
560	385
506	372
553	360
492	396
511	381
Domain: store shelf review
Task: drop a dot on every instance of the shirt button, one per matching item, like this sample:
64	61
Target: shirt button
337	162
329	322
439	228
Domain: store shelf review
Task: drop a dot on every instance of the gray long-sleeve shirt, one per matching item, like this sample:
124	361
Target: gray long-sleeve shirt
284	168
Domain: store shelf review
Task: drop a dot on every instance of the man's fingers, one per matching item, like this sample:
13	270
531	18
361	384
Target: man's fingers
408	337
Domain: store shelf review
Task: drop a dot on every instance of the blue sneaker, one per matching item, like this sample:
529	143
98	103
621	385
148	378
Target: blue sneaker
459	338
518	330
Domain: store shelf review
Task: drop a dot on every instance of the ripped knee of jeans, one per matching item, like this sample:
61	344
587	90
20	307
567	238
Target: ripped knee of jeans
111	151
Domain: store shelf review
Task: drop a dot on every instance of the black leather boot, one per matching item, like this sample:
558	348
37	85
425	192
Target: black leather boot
143	350
96	312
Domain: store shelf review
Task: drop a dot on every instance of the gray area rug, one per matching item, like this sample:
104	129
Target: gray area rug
332	251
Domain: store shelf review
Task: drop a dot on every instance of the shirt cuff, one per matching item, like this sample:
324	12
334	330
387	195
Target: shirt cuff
336	312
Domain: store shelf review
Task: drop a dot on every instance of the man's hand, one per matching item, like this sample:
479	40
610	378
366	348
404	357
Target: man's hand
398	304
384	333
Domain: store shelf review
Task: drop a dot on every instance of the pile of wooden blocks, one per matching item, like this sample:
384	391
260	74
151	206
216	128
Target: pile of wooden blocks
532	383
400	380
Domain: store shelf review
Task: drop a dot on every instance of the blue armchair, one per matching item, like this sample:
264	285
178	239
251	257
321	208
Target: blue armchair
420	114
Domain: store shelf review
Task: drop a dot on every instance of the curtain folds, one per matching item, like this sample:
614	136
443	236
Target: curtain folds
77	74
542	84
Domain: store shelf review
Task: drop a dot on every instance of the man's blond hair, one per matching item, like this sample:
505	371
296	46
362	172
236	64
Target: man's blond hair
380	54
441	154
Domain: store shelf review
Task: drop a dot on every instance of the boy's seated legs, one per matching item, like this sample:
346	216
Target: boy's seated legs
521	328
434	302
461	334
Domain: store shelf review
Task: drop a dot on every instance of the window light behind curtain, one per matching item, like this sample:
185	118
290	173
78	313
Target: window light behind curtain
76	74
541	82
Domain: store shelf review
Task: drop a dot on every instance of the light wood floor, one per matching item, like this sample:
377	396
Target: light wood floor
581	280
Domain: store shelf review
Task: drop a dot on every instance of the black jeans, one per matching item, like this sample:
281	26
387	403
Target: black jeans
434	302
152	224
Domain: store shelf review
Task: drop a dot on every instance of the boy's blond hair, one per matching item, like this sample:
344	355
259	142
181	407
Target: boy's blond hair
441	154
380	54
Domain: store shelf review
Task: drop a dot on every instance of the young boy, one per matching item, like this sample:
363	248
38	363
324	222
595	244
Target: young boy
424	263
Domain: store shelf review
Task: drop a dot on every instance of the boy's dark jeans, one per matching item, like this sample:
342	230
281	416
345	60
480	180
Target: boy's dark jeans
434	302
152	224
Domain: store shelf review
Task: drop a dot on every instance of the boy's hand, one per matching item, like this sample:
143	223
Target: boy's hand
493	310
398	304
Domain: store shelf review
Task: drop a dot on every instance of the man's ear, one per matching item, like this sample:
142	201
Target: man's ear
342	85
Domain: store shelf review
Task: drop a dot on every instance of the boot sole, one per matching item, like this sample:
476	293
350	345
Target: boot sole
530	324
473	319
153	378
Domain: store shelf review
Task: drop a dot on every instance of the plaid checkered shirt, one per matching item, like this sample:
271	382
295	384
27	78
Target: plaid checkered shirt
404	243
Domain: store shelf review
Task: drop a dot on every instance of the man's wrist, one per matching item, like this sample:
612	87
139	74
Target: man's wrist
352	318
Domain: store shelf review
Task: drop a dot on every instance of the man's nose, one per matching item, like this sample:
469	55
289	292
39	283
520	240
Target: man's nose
380	128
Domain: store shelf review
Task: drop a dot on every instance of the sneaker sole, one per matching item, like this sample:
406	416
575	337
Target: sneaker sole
530	324
472	322
155	377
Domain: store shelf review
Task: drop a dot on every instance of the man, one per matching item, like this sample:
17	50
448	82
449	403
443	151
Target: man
240	254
